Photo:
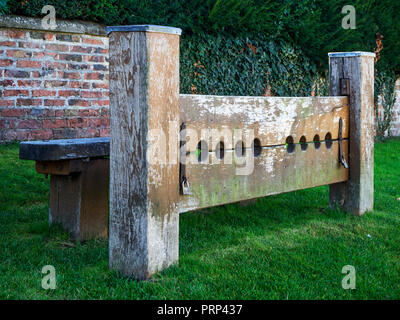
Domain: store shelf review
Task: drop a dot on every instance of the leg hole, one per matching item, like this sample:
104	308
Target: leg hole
317	142
290	146
256	146
202	151
303	143
220	150
239	149
328	140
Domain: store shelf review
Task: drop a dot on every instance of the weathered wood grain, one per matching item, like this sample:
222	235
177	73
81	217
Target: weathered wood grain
144	86
269	119
214	182
357	194
79	200
64	149
63	167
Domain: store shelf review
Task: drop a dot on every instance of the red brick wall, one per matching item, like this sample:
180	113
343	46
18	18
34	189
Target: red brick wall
53	85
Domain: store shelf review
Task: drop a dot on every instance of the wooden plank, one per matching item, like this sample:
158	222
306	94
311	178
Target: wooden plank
64	149
215	182
357	194
60	168
144	94
271	119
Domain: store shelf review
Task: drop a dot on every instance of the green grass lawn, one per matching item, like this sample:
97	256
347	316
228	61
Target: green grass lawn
288	246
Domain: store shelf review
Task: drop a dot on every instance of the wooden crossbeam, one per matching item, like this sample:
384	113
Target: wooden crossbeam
271	119
275	170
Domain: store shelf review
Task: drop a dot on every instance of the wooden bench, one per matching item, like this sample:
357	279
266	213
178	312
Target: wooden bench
79	182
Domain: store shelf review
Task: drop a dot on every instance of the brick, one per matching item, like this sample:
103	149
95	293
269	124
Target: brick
67	38
78	66
15	93
13	112
29	124
30	45
88	113
69	75
95	122
71	112
94	58
29	102
14	34
57	47
70	57
55	65
100	85
65	133
77	123
16	74
89	133
68	93
8	43
49	36
79	102
100	67
5	62
43	93
55	83
93	41
105	112
38	55
81	49
91	94
19	54
100	103
59	113
45	72
54	102
9	135
101	51
22	135
29	64
7	83
79	85
41	112
104	132
93	76
29	83
54	124
37	35
7	123
41	134
7	103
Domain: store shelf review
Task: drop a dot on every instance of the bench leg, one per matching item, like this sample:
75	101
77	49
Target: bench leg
79	202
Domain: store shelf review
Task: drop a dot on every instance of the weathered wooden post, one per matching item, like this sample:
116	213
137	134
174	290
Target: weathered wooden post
144	86
352	74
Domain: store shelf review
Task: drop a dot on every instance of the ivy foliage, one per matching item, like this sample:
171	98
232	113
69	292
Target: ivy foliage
315	26
3	7
227	65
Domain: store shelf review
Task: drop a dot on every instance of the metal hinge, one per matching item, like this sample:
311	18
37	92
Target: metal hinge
342	160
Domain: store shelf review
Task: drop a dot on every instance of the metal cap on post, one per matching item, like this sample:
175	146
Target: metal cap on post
352	73
144	96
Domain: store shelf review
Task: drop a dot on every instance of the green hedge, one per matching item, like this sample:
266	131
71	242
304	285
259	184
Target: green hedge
226	65
312	25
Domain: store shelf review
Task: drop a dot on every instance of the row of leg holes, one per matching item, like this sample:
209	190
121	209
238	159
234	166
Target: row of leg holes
291	146
240	150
